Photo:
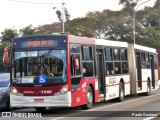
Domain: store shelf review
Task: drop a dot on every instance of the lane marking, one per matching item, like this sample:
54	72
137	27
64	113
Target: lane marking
149	118
123	102
70	115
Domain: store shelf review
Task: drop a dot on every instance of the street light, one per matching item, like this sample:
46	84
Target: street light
134	15
62	15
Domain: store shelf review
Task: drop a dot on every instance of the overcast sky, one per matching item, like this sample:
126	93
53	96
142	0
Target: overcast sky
18	15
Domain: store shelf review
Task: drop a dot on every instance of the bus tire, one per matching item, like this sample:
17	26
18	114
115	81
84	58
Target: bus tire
40	109
89	99
148	89
8	106
121	92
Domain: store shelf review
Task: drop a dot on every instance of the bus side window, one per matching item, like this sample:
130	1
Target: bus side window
75	60
117	67
109	68
124	67
75	70
116	54
87	61
87	69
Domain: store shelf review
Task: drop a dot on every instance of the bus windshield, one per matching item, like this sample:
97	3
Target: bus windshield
39	67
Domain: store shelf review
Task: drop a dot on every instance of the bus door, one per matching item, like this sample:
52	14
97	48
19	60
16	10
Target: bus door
101	72
139	72
152	71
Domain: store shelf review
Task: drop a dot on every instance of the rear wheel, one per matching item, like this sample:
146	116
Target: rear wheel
89	99
148	89
121	92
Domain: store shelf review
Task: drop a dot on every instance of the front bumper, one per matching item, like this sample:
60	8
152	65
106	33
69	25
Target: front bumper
49	101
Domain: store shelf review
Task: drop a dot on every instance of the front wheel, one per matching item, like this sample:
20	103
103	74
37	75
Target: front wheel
40	109
89	99
8	106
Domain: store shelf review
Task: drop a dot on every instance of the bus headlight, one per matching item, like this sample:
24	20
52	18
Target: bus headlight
15	92
63	90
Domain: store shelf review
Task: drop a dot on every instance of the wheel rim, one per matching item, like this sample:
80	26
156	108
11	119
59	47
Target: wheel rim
89	97
122	94
148	89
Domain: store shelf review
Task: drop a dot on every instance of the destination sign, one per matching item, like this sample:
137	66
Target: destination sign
38	43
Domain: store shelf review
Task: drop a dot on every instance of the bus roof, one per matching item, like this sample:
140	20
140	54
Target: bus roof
41	35
111	43
86	40
144	48
81	40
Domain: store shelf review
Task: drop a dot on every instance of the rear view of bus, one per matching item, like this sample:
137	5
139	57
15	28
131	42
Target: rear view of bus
39	77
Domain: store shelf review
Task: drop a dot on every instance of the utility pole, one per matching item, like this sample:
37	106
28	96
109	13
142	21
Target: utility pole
63	30
134	15
62	15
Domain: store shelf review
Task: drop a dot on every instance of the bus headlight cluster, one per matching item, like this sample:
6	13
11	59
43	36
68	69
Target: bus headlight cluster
63	90
15	92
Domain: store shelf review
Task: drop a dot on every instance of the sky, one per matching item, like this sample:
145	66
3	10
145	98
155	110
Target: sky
16	14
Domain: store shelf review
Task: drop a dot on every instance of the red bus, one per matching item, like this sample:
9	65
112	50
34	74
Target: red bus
60	70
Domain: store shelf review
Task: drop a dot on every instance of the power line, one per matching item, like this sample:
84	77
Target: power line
31	2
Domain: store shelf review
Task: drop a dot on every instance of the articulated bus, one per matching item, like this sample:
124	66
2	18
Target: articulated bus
61	70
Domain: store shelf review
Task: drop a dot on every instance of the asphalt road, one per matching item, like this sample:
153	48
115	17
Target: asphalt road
132	108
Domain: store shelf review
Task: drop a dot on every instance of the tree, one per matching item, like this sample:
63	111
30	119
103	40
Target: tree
27	31
8	35
59	15
66	14
49	28
80	26
128	3
114	25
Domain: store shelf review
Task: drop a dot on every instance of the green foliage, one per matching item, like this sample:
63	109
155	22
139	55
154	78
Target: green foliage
79	27
49	29
27	31
9	34
59	15
66	14
113	25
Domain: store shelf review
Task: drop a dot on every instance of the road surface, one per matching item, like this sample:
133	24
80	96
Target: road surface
134	107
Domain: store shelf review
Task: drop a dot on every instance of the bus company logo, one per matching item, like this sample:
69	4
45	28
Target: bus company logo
112	80
84	85
18	114
28	92
6	114
38	92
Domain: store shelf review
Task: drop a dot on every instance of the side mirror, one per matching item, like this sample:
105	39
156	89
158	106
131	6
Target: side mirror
5	58
76	63
6	55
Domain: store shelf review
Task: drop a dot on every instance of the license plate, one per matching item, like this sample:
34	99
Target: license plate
38	100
